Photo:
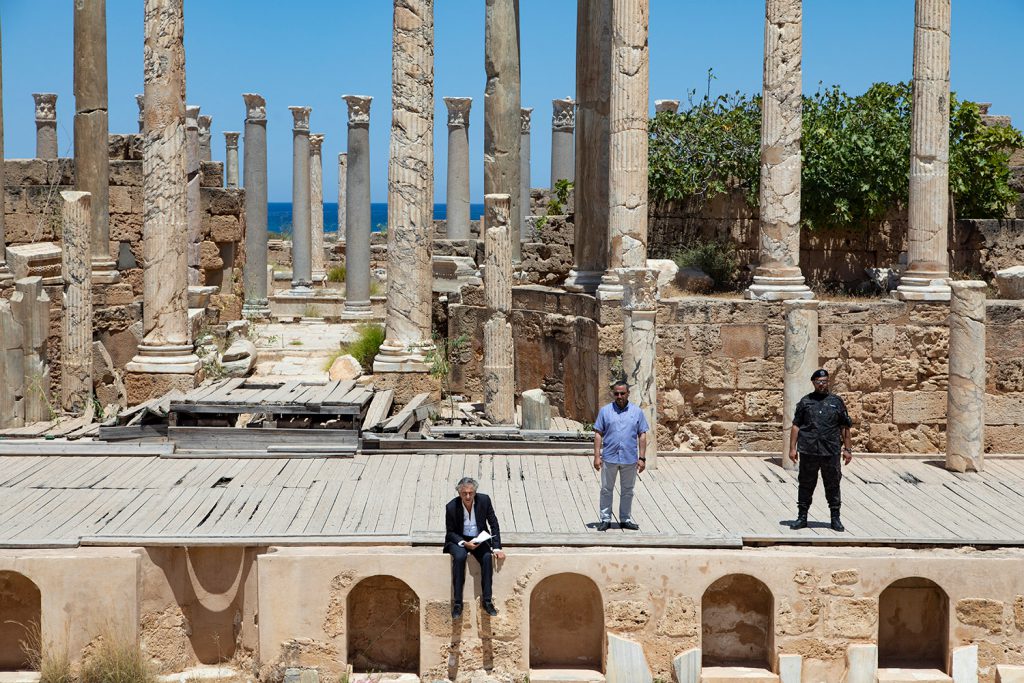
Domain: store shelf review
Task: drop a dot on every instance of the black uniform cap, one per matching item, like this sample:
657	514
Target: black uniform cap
820	372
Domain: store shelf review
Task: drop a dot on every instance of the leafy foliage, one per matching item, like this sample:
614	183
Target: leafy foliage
364	349
336	274
717	258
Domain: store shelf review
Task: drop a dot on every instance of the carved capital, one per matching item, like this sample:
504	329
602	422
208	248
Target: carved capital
316	141
497	208
205	123
563	114
301	117
639	288
46	106
255	107
343	159
458	111
191	116
524	120
231	139
358	109
140	100
671	106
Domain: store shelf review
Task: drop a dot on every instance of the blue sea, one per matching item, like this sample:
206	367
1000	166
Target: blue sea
279	215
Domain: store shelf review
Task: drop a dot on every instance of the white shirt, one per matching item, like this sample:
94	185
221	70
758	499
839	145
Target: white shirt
469	527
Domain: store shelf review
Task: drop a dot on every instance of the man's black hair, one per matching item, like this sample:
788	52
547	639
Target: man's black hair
620	383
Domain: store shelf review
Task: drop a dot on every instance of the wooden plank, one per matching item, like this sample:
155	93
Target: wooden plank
387	521
379	408
307	506
201	392
85	449
283	394
315	523
338	392
212	438
406	415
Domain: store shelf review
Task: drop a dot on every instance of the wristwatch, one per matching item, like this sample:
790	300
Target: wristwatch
643	459
847	450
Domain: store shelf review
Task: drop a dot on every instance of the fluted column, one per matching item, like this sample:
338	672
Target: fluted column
457	193
410	191
231	159
593	93
927	275
501	106
205	124
193	214
254	272
342	191
965	393
357	208
166	345
6	278
778	275
499	365
627	158
46	125
563	129
76	328
302	253
524	172
140	101
670	106
92	157
316	205
30	305
800	353
639	341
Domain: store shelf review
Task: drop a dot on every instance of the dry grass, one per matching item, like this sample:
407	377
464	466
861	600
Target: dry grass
116	661
52	663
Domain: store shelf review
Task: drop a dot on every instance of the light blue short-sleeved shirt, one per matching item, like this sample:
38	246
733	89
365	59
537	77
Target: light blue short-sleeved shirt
619	431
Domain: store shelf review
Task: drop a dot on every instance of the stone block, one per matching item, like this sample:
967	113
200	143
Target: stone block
981	613
536	409
345	367
211	174
720	373
687	666
220	201
1003	409
565	676
1004	438
763	405
861	663
209	256
790	668
125	199
126	173
626	662
1008	673
736	674
744	341
39	259
1010	282
919	407
766	373
912	676
223	228
964	664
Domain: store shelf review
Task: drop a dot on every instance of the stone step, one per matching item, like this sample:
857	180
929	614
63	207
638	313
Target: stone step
564	675
1007	673
737	674
912	676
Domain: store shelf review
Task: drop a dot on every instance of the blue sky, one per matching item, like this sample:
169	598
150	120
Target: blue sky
311	52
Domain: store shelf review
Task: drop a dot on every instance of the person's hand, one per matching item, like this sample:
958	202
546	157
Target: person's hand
641	465
793	456
471	546
500	554
847	456
597	464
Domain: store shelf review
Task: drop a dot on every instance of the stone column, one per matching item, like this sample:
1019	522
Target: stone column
92	156
6	278
499	364
410	191
357	208
254	272
205	123
524	173
563	127
342	191
166	346
231	159
192	210
593	93
31	308
927	275
457	195
12	368
46	125
302	254
800	361
778	275
316	206
627	159
140	100
965	393
671	106
639	309
501	106
76	337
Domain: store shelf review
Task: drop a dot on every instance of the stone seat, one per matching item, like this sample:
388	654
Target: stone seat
564	675
737	674
1007	673
912	676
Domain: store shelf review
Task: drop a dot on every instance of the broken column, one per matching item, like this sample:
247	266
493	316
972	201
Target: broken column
800	361
5	272
192	211
778	275
593	90
46	125
231	159
31	308
524	172
410	191
316	206
342	191
965	393
627	157
639	309
357	208
302	253
499	369
927	275
501	106
140	101
92	157
457	194
166	347
205	123
76	338
254	272
670	106
563	127
12	373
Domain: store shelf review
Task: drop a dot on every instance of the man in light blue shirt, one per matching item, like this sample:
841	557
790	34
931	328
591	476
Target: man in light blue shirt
620	445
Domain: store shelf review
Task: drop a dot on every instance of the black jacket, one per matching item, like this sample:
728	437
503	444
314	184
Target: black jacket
455	517
820	419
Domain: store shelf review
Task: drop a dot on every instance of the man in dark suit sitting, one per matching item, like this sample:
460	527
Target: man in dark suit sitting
465	518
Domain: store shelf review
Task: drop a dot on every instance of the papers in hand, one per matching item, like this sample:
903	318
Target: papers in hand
481	537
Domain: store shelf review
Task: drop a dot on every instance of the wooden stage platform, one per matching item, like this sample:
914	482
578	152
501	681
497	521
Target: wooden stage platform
130	498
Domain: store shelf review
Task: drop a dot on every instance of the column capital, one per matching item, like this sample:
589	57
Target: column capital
300	117
358	109
563	114
231	139
343	158
191	116
205	123
255	107
671	106
316	141
525	113
458	111
639	288
46	106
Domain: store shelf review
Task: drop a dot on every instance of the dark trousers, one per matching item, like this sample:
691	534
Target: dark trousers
831	475
459	554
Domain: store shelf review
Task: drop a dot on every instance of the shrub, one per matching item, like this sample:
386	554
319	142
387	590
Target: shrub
364	349
116	661
717	258
336	274
53	664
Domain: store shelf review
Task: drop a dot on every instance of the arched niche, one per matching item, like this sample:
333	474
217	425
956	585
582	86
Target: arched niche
913	625
383	618
566	623
736	622
20	619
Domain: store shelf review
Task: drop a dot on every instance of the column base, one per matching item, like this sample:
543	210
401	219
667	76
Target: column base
403	358
299	289
105	272
162	360
583	281
6	276
778	288
256	308
357	310
915	287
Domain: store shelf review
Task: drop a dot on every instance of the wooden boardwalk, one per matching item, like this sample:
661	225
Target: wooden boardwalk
700	500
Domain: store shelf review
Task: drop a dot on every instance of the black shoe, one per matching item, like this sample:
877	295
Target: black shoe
457	611
630	524
801	521
490	609
837	524
604	525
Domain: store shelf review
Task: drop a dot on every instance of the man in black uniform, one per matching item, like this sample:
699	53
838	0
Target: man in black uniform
821	434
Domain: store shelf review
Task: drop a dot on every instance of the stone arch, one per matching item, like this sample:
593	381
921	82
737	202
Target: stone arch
20	616
383	626
566	623
913	624
736	622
